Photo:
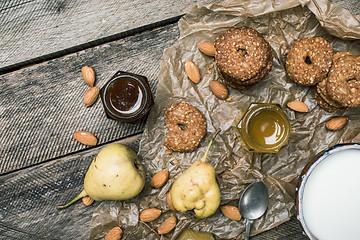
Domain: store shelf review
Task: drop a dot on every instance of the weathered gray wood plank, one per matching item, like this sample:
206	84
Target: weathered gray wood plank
42	106
29	198
29	29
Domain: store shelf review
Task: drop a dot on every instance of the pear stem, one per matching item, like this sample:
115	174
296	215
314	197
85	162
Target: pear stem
81	195
203	159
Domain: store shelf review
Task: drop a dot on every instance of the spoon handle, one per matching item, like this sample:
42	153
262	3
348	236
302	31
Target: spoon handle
247	229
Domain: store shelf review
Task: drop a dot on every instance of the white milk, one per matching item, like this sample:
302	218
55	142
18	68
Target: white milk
331	200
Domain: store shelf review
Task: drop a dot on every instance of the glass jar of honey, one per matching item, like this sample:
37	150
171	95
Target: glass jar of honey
264	127
126	97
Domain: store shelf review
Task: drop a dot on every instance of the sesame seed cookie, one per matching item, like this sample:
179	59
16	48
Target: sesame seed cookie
309	60
186	127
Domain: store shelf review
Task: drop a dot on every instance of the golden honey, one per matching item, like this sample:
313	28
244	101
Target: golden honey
263	128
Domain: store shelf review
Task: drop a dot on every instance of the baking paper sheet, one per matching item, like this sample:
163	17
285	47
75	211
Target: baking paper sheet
281	23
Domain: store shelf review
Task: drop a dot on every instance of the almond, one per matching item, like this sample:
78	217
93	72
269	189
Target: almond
192	71
114	234
159	179
87	201
85	138
169	201
298	106
219	89
150	214
90	96
207	48
88	75
168	225
231	212
336	123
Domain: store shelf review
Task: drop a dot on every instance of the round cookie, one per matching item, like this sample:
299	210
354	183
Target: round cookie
241	55
324	105
309	60
186	127
343	83
256	79
321	89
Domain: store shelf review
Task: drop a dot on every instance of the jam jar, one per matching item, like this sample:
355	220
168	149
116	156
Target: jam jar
264	127
127	97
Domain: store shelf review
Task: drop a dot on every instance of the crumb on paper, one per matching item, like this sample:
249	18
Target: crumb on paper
168	151
229	99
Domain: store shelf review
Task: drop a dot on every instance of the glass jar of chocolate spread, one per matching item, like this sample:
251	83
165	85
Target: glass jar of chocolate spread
127	97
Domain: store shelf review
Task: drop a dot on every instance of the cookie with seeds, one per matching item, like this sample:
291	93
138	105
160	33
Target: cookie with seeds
309	60
186	127
343	83
243	57
324	105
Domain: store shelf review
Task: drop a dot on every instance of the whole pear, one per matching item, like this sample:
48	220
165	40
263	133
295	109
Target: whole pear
190	234
115	174
196	189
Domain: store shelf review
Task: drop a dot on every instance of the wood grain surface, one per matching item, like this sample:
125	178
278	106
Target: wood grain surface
30	29
41	164
29	198
42	106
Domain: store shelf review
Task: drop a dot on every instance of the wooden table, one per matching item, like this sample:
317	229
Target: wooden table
44	45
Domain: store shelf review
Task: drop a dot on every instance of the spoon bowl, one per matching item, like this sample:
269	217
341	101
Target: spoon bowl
253	204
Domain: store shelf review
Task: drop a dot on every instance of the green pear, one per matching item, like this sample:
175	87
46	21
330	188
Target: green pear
115	174
189	234
196	189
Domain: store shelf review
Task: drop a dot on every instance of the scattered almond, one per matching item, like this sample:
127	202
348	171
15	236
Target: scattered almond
207	48
87	201
169	202
192	71
336	123
231	212
168	225
219	89
298	106
159	179
85	138
91	95
114	234
88	75
150	214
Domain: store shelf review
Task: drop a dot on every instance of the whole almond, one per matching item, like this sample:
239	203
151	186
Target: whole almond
159	179
87	201
192	71
219	89
168	225
91	95
88	75
114	234
298	106
207	48
231	212
150	214
169	201
336	123
85	138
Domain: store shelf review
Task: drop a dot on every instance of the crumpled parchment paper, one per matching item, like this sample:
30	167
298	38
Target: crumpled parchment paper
281	23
